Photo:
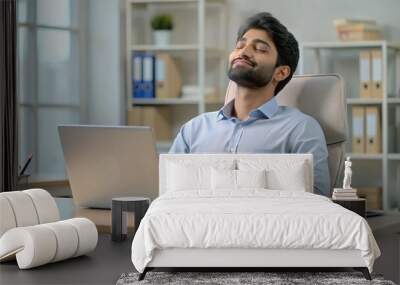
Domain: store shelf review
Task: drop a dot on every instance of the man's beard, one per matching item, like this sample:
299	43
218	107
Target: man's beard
252	78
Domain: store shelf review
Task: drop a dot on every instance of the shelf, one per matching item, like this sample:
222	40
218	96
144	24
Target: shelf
175	101
170	1
355	44
169	101
179	47
364	101
366	156
160	1
395	100
394	156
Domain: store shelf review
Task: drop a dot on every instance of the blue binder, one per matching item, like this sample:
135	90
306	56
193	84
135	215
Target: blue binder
148	65
137	75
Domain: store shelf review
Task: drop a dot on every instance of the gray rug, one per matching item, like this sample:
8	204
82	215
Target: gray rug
228	278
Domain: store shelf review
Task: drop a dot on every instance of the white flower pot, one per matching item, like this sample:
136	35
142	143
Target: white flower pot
162	37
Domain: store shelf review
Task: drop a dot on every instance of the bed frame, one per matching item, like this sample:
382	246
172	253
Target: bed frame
246	258
242	259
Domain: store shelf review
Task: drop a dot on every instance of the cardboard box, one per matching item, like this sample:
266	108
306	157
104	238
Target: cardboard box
158	118
373	195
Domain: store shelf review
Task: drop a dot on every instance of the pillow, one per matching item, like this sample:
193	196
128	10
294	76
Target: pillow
292	179
291	175
223	179
192	176
251	178
237	179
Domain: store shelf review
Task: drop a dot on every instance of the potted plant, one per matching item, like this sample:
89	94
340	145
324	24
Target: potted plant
162	26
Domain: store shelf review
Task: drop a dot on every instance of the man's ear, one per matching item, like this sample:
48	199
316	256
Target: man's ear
281	73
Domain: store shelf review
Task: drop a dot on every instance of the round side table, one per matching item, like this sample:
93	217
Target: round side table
119	207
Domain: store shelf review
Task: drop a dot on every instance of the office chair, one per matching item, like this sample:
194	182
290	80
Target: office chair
321	97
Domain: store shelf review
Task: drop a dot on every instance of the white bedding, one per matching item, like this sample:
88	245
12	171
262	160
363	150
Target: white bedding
251	218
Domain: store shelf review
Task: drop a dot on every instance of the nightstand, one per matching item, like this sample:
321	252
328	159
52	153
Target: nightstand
358	206
119	207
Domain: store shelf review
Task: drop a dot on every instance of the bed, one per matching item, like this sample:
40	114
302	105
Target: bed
247	210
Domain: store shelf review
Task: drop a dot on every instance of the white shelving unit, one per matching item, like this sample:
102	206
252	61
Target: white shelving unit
323	57
193	43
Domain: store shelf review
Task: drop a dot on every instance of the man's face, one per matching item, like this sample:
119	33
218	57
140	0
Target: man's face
253	60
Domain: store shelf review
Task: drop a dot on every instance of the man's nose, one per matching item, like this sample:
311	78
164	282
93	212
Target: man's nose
245	52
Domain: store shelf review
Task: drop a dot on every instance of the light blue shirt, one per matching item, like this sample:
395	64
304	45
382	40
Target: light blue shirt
269	129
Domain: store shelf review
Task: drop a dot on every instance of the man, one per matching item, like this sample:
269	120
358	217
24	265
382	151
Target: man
262	63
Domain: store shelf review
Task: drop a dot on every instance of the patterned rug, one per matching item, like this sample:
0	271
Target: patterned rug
242	278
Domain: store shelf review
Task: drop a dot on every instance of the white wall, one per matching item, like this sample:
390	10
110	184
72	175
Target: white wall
308	20
311	20
105	99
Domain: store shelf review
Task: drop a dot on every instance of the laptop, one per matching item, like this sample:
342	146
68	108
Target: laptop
104	162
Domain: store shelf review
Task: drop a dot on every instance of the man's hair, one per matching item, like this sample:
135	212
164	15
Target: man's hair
286	44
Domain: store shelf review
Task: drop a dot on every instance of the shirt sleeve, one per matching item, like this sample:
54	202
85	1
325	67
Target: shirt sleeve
309	138
180	144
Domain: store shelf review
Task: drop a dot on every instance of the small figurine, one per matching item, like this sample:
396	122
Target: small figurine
347	174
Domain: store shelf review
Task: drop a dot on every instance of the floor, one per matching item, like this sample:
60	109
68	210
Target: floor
110	259
103	266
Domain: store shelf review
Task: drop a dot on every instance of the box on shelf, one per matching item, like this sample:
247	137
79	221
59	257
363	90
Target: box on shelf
373	195
357	30
168	77
158	118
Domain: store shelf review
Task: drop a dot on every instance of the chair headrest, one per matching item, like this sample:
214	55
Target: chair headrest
319	96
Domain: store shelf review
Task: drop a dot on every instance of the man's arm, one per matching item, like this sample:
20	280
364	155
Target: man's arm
309	138
180	144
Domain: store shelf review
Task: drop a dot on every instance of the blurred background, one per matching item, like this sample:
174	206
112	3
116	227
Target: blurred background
162	62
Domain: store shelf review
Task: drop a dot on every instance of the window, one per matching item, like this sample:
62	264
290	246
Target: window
49	81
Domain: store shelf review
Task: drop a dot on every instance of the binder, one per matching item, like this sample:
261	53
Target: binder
376	89
168	77
373	130
358	129
365	74
137	70
148	76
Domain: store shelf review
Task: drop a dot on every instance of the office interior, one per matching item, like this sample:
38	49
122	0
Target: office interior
75	64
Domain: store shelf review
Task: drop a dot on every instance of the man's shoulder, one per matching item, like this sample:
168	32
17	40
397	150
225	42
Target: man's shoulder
204	117
293	113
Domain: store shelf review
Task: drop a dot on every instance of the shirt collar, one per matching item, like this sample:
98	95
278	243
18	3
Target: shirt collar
266	110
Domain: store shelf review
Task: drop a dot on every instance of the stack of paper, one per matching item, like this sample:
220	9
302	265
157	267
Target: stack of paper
344	194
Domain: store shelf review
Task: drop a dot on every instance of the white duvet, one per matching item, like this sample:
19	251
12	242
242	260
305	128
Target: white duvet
250	219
